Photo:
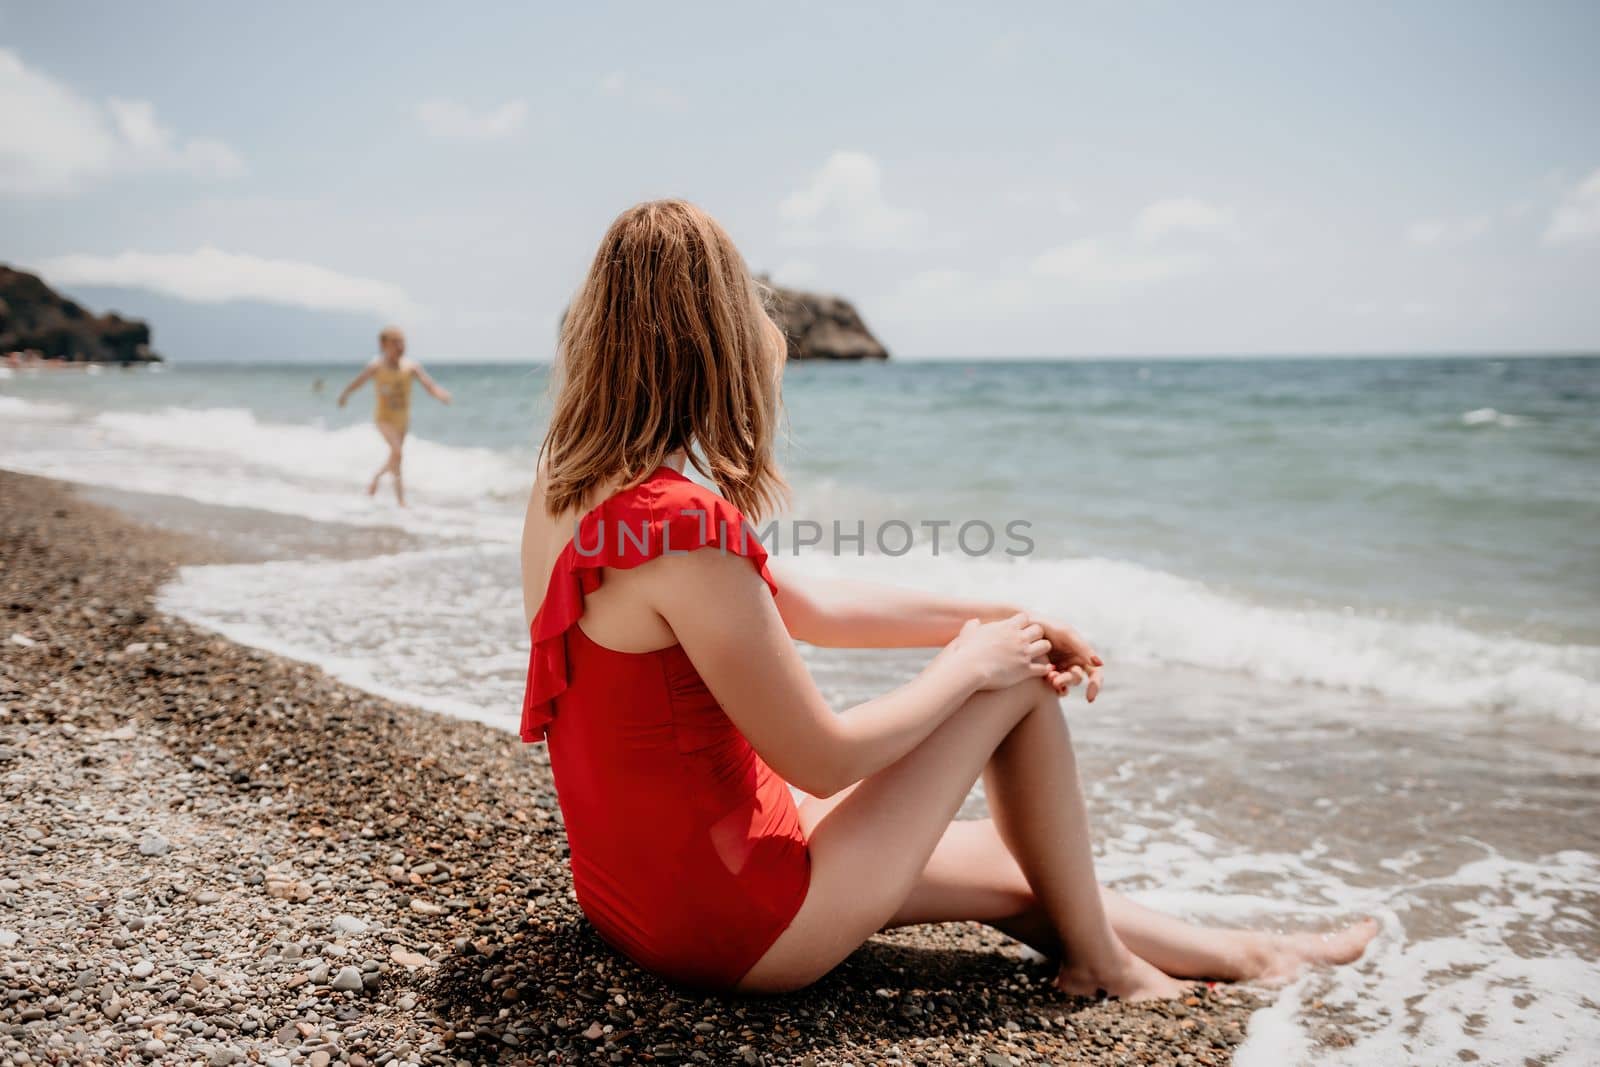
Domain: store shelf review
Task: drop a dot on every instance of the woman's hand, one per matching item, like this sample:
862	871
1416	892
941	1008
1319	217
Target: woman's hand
1073	661
995	655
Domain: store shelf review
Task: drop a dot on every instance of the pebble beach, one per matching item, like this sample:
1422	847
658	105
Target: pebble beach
211	854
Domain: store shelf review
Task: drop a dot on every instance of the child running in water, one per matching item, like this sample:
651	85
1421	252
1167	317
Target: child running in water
391	375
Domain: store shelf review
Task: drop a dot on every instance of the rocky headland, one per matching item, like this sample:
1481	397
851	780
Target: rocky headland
821	326
39	323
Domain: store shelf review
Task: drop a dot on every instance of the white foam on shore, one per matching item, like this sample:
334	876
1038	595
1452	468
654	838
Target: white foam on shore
228	457
1500	984
1485	957
439	628
342	455
1138	614
15	407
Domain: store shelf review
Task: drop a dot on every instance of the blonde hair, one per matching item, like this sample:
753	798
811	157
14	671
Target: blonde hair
667	346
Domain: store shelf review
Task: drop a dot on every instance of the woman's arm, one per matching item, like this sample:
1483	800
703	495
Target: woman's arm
834	613
357	382
435	390
725	619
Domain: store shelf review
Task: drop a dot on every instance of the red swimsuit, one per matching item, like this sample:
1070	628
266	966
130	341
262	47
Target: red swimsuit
687	852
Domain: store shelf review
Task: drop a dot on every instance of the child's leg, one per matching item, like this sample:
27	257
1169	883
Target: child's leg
398	444
394	437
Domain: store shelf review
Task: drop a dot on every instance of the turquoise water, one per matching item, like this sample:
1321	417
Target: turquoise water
1461	489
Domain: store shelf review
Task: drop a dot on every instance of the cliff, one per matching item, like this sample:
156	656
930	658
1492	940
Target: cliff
820	326
36	318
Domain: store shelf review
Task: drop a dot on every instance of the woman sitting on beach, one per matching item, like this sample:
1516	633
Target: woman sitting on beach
391	375
676	707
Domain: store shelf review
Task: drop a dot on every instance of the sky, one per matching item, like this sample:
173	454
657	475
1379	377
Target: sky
1000	180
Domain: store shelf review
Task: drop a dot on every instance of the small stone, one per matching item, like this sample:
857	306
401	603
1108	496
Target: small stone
222	1057
206	896
154	845
319	974
9	938
595	1032
424	907
143	969
319	1058
408	959
23	640
349	924
348	979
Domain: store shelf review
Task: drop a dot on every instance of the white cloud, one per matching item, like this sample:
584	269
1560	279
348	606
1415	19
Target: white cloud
457	121
1577	217
1447	232
54	140
212	276
1098	261
1182	214
619	85
844	204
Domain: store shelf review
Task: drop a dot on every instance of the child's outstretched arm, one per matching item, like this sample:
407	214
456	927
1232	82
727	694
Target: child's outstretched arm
435	390
357	383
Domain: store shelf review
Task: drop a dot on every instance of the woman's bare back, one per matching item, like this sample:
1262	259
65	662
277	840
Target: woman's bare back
617	615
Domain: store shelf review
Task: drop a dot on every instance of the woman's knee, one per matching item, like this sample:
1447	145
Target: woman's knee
1031	695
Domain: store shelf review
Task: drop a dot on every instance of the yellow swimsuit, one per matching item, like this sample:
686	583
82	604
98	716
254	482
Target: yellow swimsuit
392	385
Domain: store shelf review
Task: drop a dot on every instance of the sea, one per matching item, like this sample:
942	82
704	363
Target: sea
1350	610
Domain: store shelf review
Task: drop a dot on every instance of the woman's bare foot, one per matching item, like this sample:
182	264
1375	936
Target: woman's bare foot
1133	981
1283	956
372	486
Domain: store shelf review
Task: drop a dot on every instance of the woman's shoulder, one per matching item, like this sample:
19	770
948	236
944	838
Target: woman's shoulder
667	515
666	496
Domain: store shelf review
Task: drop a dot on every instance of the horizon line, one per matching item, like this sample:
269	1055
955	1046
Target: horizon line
1486	354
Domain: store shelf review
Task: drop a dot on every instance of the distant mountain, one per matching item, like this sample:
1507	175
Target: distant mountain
34	318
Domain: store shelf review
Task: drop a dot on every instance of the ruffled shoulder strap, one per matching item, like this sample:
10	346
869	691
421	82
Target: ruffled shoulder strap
666	514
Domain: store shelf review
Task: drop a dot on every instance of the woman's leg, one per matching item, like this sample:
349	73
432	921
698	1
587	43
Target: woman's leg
869	850
972	876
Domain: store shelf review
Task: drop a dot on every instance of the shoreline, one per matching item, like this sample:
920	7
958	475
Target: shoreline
216	854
